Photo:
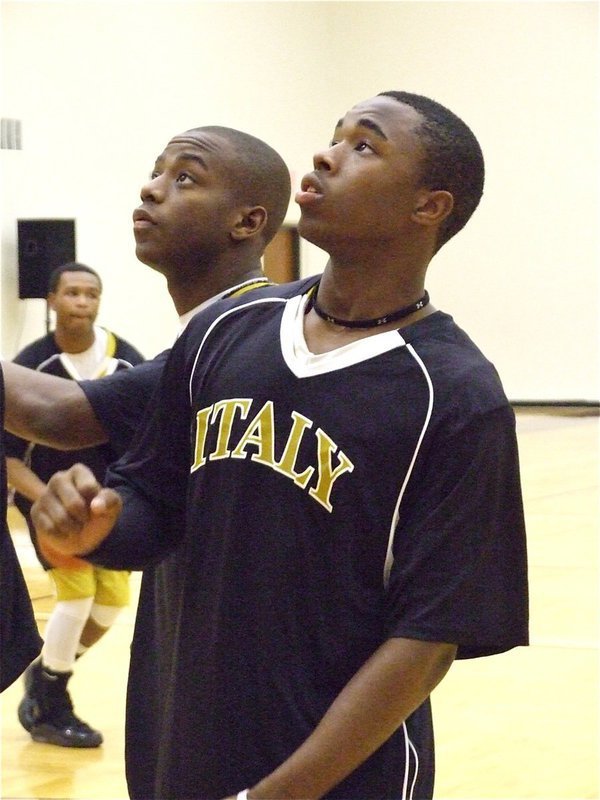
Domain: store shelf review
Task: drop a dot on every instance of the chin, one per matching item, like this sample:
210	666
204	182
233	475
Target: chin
147	259
313	232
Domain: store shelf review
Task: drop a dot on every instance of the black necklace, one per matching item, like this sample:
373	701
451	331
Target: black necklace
364	323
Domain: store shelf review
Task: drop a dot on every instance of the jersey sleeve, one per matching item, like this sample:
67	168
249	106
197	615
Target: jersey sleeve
460	568
120	400
152	476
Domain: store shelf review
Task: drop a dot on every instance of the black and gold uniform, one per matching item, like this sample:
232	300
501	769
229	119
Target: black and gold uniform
333	501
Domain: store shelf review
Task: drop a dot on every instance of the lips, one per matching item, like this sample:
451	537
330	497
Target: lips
311	190
142	219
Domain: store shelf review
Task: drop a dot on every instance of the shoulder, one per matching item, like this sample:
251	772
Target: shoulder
37	351
463	380
126	351
257	298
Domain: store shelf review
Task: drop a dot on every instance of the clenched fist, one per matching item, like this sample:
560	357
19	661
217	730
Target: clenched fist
75	513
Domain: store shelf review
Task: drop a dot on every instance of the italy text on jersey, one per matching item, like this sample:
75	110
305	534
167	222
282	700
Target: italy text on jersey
330	463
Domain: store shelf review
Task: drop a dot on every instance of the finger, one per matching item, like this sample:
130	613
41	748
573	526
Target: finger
107	503
50	515
84	480
74	489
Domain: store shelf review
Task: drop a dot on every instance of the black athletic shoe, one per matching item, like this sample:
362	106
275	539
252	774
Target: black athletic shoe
46	710
66	731
25	711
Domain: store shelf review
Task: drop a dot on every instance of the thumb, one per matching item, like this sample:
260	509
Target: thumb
107	503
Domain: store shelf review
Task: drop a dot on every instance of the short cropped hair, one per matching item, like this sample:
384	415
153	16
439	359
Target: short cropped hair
261	176
453	160
71	266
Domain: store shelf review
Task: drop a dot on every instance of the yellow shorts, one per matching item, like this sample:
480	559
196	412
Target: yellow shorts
108	587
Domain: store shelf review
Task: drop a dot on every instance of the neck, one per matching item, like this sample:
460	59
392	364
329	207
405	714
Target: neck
73	343
366	291
388	318
187	294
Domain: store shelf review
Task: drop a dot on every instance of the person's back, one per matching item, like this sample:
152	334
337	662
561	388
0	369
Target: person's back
88	599
19	638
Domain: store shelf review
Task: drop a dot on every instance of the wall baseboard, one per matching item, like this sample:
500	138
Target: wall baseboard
582	408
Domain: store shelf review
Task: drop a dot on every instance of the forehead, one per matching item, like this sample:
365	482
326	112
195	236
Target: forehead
388	117
72	278
209	147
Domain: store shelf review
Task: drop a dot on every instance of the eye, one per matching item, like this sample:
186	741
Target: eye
183	177
362	146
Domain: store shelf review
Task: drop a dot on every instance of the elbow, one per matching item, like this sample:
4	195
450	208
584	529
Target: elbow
443	658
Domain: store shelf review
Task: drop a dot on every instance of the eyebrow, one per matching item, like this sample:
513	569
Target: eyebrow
364	122
368	123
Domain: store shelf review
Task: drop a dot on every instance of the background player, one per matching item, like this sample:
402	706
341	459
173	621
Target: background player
88	599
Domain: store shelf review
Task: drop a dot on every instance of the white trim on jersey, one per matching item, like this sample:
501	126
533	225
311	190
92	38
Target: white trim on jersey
389	559
49	360
304	364
408	746
215	322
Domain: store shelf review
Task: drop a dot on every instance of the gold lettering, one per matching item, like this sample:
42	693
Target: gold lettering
227	409
259	433
201	429
327	476
288	459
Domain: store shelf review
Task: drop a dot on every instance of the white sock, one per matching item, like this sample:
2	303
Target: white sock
104	615
63	632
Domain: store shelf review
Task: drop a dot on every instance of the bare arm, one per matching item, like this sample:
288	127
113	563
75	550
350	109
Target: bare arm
23	479
384	692
49	410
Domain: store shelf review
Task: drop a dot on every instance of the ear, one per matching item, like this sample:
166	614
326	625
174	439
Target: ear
432	207
248	223
51	301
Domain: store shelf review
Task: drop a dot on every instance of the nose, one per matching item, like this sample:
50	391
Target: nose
153	190
324	159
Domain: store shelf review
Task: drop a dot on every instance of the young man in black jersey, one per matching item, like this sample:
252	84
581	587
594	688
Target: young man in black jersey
215	199
330	474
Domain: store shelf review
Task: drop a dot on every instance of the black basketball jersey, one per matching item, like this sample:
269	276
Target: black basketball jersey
44	355
333	501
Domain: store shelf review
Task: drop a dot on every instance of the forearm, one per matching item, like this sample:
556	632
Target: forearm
395	681
49	410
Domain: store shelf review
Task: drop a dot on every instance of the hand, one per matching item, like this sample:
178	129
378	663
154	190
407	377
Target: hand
75	513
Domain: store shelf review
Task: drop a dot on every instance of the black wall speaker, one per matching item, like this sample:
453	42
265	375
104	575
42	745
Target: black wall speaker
43	245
